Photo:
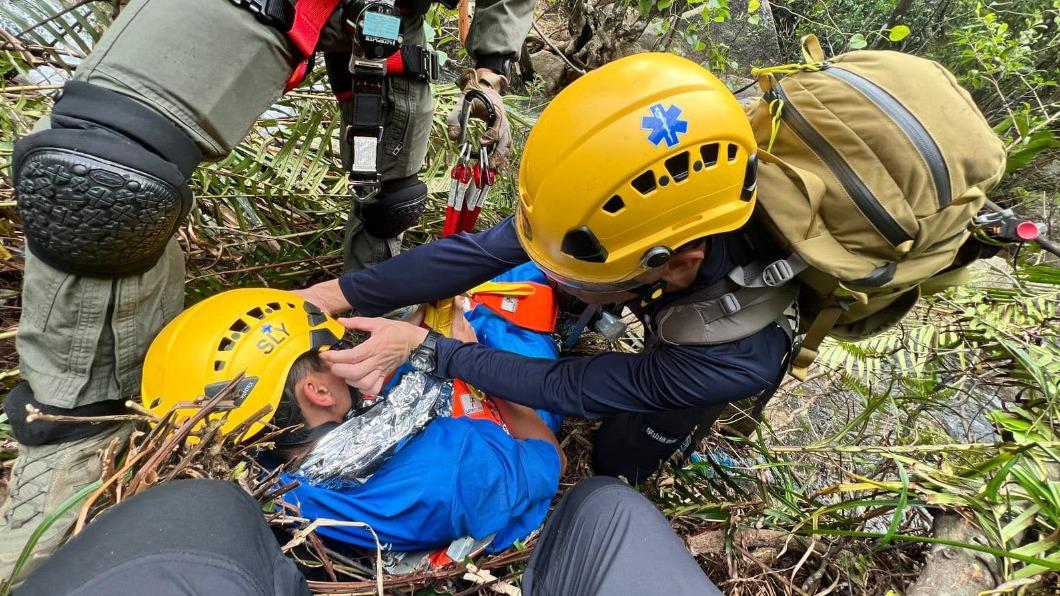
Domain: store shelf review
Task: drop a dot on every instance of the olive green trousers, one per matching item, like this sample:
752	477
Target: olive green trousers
212	69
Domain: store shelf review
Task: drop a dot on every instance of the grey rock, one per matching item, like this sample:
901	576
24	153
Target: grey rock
735	45
550	68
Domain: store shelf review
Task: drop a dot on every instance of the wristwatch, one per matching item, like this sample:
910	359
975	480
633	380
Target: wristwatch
425	357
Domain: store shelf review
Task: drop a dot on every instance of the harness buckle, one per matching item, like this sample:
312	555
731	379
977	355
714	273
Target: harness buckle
278	14
777	273
421	63
730	305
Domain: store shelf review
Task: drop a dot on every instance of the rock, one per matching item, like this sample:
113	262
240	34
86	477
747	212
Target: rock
550	68
954	571
750	88
740	44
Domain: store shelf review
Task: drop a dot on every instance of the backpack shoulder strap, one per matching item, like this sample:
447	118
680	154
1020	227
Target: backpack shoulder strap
718	314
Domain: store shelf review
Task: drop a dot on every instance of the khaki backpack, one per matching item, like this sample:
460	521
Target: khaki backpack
873	165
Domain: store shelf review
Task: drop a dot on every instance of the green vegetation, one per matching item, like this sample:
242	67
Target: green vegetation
954	410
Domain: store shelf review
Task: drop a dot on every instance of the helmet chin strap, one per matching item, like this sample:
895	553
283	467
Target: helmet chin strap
649	293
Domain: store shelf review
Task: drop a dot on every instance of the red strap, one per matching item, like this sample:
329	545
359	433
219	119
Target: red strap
394	64
310	16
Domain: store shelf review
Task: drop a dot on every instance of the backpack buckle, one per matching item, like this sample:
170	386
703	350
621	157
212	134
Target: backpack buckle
777	273
730	305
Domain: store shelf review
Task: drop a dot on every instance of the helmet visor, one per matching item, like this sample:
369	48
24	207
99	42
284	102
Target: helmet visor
629	283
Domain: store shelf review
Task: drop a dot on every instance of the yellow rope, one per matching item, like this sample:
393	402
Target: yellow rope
776	106
787	69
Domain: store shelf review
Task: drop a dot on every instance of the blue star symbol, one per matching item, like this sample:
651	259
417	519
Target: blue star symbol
665	124
267	328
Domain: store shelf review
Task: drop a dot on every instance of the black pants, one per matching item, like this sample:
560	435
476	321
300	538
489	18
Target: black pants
634	445
206	538
605	538
182	538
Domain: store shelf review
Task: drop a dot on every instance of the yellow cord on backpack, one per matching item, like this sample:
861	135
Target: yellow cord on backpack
776	107
787	69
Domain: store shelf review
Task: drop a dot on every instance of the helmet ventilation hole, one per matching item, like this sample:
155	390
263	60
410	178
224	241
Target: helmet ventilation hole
614	204
678	166
225	345
256	313
218	364
240	326
645	183
274	305
709	154
732	152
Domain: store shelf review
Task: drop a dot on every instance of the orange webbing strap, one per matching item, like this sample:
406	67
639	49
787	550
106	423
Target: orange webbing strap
819	329
469	402
310	16
528	305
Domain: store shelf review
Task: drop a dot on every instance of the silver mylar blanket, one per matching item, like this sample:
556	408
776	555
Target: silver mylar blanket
358	447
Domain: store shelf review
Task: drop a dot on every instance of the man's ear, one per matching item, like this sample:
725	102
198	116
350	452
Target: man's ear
685	262
315	392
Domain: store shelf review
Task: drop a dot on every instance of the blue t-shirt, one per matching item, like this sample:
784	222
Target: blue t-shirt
459	477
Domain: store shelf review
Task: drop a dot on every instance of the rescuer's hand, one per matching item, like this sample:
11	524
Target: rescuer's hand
461	328
368	365
327	296
498	136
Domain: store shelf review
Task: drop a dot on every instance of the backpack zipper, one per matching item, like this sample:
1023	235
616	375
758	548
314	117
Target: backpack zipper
918	135
863	198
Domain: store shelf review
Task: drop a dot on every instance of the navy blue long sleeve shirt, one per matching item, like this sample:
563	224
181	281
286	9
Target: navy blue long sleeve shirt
666	377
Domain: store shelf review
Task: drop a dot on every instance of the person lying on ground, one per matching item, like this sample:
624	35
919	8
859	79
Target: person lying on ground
489	470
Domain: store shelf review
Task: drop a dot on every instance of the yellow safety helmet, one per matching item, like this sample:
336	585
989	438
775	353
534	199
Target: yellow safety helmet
629	163
255	331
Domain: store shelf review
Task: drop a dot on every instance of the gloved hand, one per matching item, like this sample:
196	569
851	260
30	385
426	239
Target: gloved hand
499	136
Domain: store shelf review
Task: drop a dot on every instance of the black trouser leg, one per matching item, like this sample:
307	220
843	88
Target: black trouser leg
634	445
186	537
605	538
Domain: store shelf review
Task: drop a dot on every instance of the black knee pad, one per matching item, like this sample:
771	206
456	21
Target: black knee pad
396	208
102	191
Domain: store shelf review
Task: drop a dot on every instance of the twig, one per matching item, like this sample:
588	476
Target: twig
495	580
136	407
180	434
555	49
83	515
23	89
35	415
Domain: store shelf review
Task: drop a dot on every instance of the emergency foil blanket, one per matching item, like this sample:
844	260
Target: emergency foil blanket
349	454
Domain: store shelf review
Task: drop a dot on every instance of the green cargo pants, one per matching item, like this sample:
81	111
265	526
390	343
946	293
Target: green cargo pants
212	69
